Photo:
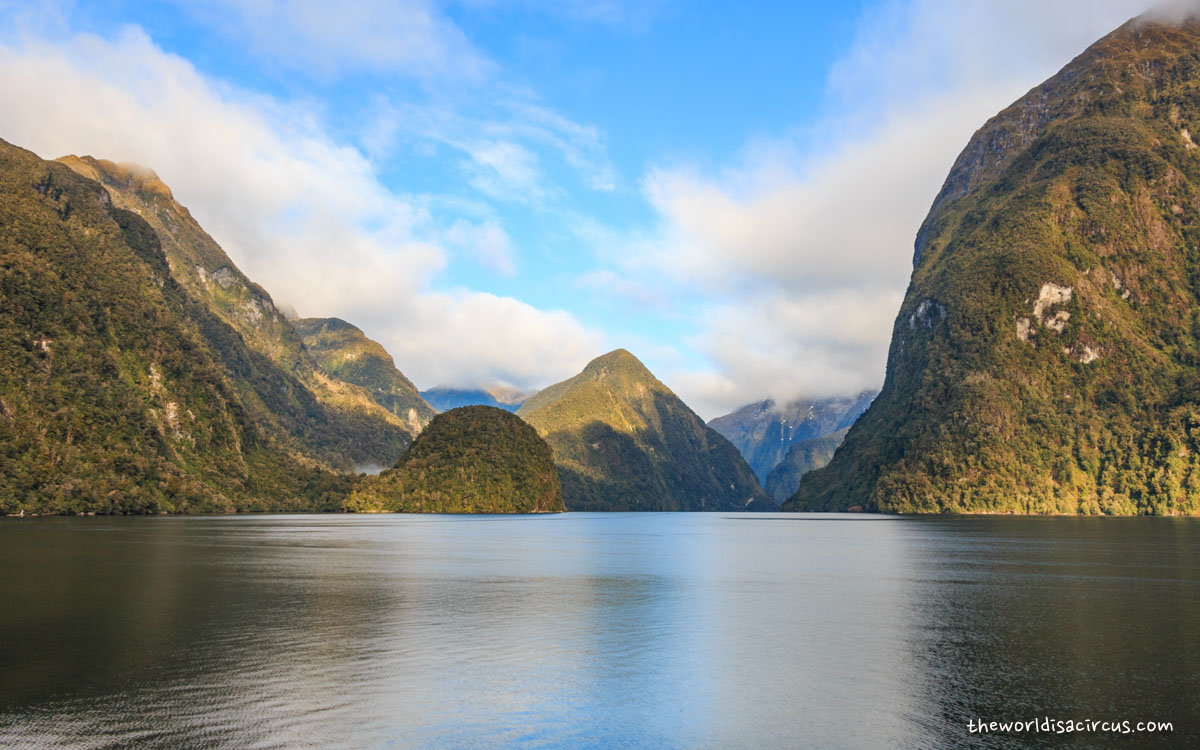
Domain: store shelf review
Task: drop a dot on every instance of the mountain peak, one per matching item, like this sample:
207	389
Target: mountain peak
617	361
1117	71
126	174
623	441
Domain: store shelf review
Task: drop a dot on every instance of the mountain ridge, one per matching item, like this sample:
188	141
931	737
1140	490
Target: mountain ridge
346	427
343	351
764	432
119	392
444	398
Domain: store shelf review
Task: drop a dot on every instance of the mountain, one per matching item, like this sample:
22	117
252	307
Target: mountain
335	423
444	398
122	393
1045	358
343	352
802	457
476	459
763	432
623	441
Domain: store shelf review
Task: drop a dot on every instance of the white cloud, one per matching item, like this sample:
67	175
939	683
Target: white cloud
616	289
803	246
328	38
300	213
487	243
465	338
508	142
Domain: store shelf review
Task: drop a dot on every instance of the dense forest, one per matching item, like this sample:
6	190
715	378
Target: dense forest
1045	356
474	459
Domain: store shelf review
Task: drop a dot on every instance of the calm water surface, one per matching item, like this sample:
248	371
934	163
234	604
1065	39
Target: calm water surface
594	630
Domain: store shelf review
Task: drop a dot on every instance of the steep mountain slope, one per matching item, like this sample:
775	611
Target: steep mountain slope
623	441
1045	357
444	398
342	351
477	459
802	457
763	432
118	392
335	422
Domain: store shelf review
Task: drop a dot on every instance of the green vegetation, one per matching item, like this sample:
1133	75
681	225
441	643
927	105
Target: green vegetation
476	459
118	392
342	351
1045	356
333	422
623	441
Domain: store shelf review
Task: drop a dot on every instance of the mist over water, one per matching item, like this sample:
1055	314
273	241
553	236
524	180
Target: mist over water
593	630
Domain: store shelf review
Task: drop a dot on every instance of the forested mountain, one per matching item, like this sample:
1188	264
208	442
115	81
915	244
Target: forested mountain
121	392
343	352
1045	358
346	427
623	441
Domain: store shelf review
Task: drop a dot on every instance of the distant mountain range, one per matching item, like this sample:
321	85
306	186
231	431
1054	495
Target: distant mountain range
802	457
623	441
444	398
765	432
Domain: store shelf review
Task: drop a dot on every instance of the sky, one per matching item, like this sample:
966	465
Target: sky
499	191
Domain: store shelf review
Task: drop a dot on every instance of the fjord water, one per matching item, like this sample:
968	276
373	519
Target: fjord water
594	630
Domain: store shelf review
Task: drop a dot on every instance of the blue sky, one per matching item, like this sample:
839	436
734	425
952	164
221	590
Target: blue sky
500	191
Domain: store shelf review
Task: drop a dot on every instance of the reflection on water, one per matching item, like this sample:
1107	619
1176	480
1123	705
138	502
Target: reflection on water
593	630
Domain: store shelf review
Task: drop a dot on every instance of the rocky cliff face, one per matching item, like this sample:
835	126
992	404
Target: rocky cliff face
623	441
1044	358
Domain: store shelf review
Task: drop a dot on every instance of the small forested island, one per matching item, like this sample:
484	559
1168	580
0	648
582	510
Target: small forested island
473	459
